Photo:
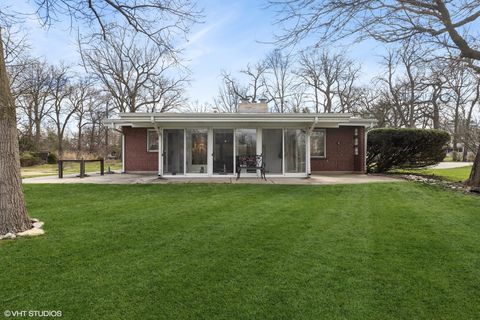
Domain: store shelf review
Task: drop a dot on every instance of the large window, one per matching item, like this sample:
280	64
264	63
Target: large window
317	143
152	140
295	151
197	143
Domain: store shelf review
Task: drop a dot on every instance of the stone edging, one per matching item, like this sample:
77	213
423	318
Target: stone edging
440	182
36	230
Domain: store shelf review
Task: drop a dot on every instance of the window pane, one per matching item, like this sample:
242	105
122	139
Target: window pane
152	140
295	150
246	142
197	144
173	151
317	143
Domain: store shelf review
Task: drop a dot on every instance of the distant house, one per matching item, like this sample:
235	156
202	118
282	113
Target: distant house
210	144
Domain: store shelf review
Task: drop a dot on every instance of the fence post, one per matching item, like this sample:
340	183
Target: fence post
60	169
82	168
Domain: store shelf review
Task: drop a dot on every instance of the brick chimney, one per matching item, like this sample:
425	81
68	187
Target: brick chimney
253	107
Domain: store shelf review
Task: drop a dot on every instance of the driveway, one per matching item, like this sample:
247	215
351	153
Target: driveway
450	165
135	178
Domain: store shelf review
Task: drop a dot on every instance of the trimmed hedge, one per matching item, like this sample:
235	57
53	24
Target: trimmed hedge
28	159
52	158
405	148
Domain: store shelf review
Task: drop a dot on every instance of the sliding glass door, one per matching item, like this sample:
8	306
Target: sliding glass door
295	151
272	150
196	148
246	147
173	155
223	151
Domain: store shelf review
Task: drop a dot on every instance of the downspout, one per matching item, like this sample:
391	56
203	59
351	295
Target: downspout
309	164
160	153
123	152
312	127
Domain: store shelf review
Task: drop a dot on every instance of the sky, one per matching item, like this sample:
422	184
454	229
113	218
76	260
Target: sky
233	34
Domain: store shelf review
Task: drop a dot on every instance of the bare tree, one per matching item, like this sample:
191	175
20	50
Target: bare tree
158	20
132	71
310	72
446	24
436	83
471	138
403	86
229	95
331	78
459	91
166	94
82	98
349	94
278	80
255	84
197	107
31	92
62	110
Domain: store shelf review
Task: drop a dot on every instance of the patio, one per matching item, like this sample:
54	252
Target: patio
148	178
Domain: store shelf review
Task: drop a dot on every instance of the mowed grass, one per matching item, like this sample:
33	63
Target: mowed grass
378	251
69	168
454	174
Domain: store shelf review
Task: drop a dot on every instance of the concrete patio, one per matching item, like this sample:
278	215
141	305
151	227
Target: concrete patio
136	178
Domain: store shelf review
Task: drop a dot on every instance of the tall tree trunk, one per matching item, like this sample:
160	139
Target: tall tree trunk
13	213
106	144
60	146
79	142
474	179
38	133
465	153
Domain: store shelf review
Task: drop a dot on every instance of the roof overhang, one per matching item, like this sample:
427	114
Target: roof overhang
144	120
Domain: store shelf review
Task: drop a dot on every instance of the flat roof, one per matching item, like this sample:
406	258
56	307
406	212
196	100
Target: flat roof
143	119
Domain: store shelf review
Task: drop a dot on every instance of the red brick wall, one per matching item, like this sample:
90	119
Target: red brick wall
137	158
339	146
340	152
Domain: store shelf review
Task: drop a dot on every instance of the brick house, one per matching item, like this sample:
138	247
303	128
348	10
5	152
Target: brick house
209	144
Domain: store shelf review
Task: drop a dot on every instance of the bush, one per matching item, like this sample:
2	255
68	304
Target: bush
28	159
405	148
52	158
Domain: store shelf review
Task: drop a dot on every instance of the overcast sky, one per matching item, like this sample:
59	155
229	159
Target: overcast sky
233	34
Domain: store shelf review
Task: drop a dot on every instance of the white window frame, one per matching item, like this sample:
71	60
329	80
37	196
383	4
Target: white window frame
324	144
148	140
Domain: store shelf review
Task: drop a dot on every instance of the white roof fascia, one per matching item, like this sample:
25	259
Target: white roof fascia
149	119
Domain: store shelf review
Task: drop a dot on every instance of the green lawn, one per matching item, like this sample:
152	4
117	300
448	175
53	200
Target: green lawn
455	174
380	251
69	168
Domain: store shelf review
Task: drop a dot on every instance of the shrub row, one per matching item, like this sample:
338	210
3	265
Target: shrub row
28	159
405	148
